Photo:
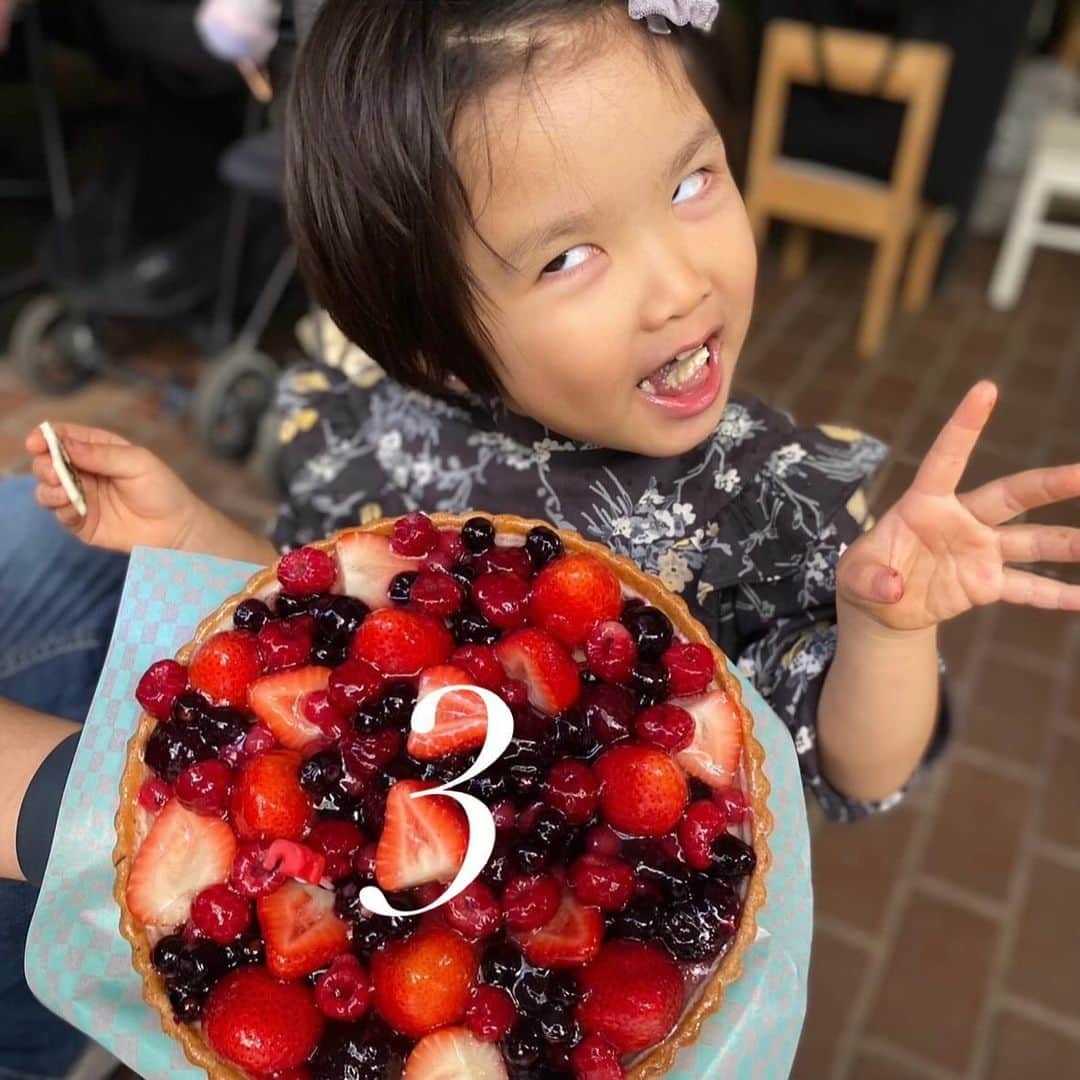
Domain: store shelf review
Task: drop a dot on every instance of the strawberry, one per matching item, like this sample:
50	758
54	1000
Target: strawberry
454	1053
546	668
460	717
643	791
570	938
424	981
183	853
224	665
571	595
632	995
368	566
713	756
423	839
301	931
261	1024
267	800
402	643
278	701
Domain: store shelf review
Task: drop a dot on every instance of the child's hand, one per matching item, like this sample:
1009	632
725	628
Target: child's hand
935	554
132	497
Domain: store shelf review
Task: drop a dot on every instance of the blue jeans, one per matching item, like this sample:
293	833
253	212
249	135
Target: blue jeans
58	600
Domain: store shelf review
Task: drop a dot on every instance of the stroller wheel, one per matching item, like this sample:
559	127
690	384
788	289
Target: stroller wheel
230	400
51	350
266	453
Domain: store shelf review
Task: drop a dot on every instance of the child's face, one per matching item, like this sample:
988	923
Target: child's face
605	185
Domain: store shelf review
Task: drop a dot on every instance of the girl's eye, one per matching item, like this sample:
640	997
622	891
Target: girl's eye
569	260
692	186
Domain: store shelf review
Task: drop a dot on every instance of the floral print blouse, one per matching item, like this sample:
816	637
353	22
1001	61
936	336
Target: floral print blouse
747	527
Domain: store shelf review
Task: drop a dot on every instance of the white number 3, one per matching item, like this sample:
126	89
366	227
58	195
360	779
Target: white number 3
500	730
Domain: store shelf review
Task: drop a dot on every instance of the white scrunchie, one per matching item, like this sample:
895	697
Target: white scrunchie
700	14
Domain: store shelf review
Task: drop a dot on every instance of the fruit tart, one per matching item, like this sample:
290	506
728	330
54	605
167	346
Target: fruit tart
297	900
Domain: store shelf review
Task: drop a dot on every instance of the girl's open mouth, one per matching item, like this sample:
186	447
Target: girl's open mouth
689	381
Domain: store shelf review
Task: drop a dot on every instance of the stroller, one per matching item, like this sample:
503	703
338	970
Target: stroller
143	240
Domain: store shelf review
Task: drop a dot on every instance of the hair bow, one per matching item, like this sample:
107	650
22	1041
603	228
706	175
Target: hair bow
658	14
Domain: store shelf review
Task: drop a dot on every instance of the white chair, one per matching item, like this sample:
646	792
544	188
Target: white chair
1054	170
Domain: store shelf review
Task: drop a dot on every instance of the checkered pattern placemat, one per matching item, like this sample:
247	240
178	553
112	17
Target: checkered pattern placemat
80	967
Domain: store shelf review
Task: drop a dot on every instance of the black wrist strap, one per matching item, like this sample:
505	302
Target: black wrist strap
40	806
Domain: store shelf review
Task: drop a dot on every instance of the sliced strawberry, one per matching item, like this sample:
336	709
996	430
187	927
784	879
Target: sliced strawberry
572	594
454	1053
571	938
243	1021
402	643
546	668
713	756
632	995
267	800
460	717
424	982
423	839
224	665
183	853
301	931
278	701
368	566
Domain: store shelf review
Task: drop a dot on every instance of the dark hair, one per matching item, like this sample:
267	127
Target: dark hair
376	204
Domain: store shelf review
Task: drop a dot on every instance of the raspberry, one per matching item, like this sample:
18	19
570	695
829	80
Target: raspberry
733	802
572	788
504	814
220	913
435	594
603	840
224	665
249	877
502	599
258	740
154	794
595	1058
204	787
690	669
667	726
338	841
481	663
414	536
475	912
528	817
364	861
287	643
514	692
702	823
451	545
344	991
365	755
353	684
491	1013
602	881
161	684
611	652
325	715
609	710
505	560
307	570
530	902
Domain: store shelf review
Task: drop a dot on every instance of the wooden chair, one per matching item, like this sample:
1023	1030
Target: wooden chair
810	195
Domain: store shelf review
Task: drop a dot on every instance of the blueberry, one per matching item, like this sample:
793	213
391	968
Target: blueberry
698	927
340	617
369	719
363	1051
221	726
531	857
675	880
186	1007
250	949
543	545
286	606
589	678
251	615
499	867
376	930
563	989
501	965
636	921
398	702
329	653
525	766
558	1026
172	747
322	772
531	991
524	1045
573	735
478	534
347	898
650	683
166	954
732	858
401	586
489	787
189	708
471	628
551	829
200	966
463	575
651	629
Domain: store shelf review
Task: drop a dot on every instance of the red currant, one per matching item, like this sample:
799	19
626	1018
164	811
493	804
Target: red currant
603	840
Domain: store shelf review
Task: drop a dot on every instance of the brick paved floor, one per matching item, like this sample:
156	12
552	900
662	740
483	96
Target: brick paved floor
947	935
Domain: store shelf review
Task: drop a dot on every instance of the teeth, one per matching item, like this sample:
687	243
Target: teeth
679	370
689	352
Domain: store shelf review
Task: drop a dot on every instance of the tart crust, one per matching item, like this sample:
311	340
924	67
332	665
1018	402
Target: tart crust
659	1059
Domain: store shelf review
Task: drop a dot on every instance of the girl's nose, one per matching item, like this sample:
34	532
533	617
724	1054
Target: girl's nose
675	284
